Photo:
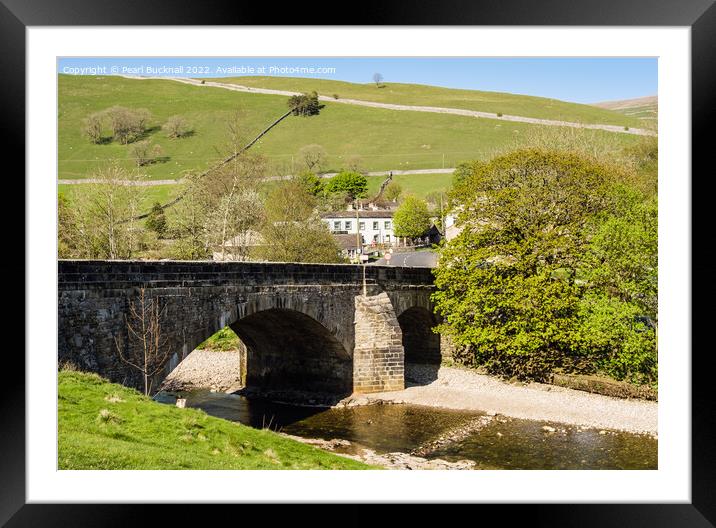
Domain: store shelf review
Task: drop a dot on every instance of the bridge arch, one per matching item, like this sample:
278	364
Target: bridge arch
422	349
287	349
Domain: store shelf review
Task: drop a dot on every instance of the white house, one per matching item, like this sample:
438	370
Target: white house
374	226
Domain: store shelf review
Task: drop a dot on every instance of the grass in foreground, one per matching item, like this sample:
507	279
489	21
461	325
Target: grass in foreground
103	425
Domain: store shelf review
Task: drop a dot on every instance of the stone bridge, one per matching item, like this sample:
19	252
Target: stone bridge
313	327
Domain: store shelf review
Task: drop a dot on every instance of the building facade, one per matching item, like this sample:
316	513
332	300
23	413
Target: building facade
375	227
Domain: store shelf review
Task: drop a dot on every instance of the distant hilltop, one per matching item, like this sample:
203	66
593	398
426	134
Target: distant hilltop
622	104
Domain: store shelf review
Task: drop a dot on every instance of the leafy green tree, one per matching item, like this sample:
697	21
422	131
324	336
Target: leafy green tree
392	191
311	183
306	104
619	311
355	185
412	218
157	221
506	284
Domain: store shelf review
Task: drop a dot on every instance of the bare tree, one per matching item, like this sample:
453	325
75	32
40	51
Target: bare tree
378	79
98	229
146	350
144	152
92	127
314	156
177	127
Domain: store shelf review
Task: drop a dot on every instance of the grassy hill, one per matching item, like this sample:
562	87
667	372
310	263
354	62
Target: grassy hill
422	95
383	139
103	425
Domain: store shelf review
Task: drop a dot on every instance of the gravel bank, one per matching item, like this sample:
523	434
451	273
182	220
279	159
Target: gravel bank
462	389
394	460
206	369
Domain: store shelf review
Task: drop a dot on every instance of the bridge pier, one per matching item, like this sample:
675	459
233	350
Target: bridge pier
378	357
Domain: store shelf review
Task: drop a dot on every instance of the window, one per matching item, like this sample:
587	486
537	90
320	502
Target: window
387	224
361	226
375	239
336	226
387	238
375	226
348	225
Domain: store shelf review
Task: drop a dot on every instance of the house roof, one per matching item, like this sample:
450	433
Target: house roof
361	214
347	241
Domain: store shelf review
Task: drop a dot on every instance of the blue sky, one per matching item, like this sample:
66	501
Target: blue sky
580	80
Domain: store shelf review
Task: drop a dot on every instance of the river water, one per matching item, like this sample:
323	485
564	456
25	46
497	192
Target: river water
496	443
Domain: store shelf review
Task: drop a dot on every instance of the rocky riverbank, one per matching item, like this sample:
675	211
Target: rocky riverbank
394	460
219	371
464	389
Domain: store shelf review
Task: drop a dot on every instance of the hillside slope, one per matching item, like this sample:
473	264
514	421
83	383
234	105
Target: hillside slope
382	139
422	95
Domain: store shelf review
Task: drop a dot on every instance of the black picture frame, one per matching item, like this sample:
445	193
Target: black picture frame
699	15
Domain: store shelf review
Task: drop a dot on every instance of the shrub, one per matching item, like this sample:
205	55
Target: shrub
335	96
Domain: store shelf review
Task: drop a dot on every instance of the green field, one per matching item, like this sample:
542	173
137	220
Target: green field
422	95
417	184
383	139
103	425
150	194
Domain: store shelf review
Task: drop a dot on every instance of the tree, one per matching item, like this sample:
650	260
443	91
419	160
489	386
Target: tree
412	218
354	163
311	183
232	222
306	104
127	124
146	347
220	213
293	232
65	227
377	79
144	153
177	127
100	228
355	185
314	156
619	310
92	127
507	287
157	221
393	191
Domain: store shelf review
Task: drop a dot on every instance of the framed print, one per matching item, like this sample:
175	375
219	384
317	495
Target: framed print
429	240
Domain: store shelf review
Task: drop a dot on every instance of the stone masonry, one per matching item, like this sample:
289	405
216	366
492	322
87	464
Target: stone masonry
378	354
305	326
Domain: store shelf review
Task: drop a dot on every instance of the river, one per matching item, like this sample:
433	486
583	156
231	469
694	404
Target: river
492	442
